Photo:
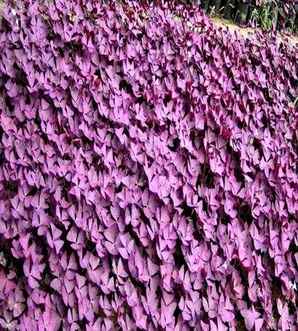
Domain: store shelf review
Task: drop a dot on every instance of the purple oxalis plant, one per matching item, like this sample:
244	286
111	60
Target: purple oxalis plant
148	171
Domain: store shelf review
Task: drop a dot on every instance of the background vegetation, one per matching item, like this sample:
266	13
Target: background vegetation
267	14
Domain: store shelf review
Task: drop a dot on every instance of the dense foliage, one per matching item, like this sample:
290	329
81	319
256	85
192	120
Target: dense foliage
148	171
267	14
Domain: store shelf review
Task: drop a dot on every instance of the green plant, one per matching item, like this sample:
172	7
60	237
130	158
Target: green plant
265	15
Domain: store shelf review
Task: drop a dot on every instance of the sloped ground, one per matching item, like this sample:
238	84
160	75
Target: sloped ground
164	194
